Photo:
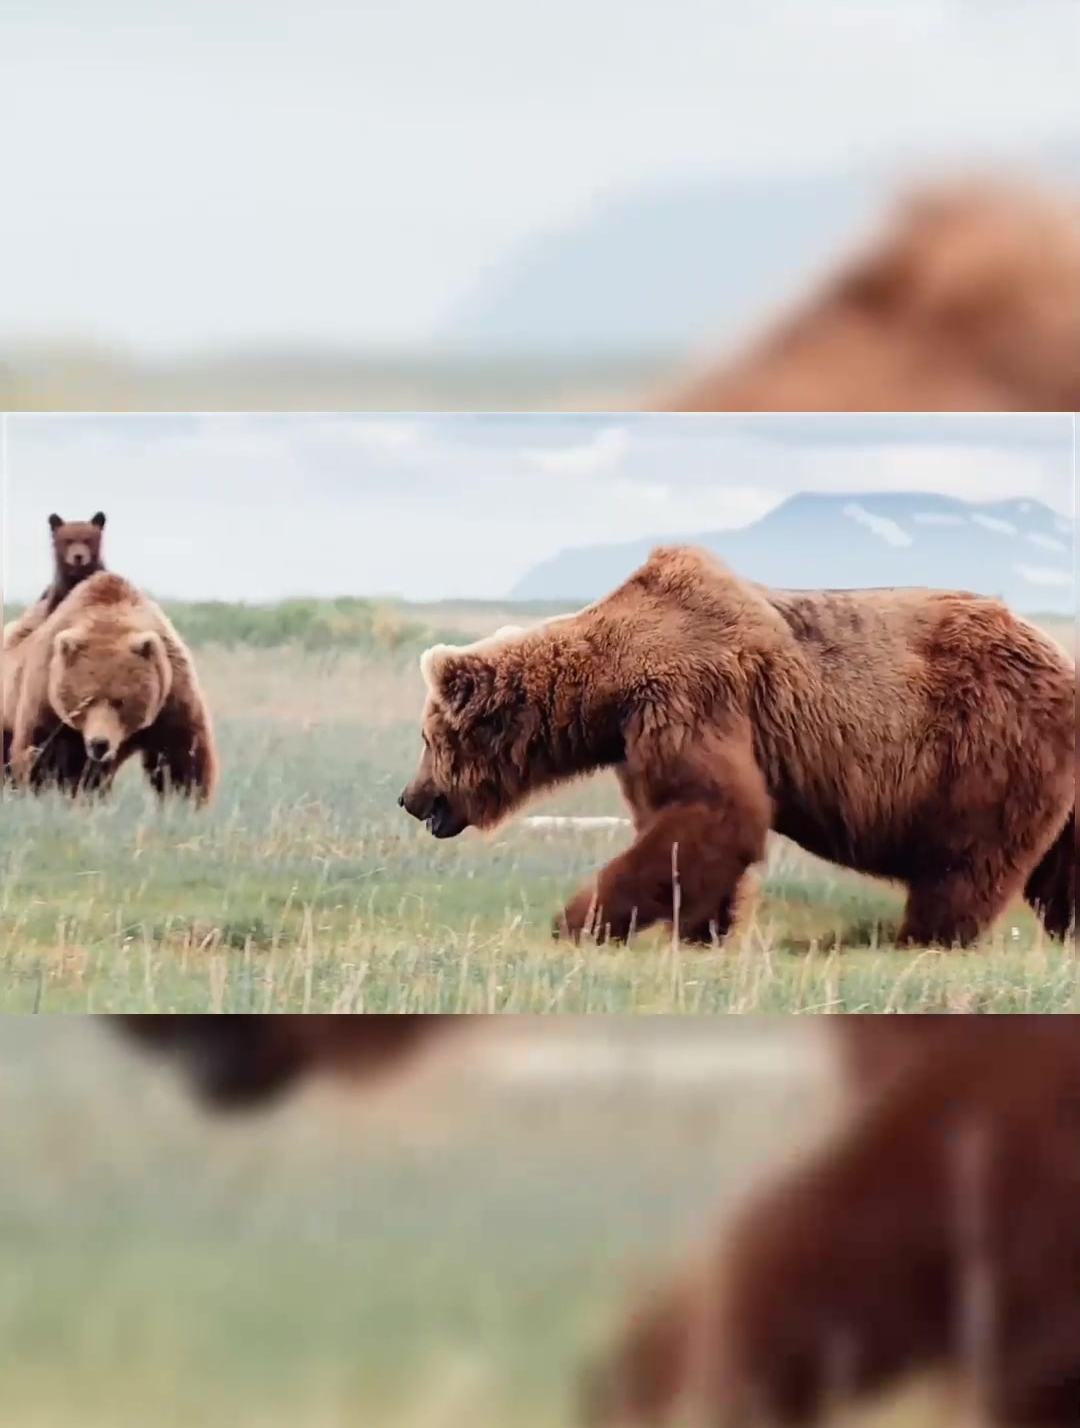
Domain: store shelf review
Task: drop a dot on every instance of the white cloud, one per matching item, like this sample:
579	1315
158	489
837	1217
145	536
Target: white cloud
881	526
605	451
993	523
937	518
1044	575
389	437
1047	542
1065	527
650	491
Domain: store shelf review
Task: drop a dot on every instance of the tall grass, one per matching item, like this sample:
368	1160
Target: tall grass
305	887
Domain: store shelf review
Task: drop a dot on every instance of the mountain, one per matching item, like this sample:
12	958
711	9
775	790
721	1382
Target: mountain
661	266
1020	550
656	268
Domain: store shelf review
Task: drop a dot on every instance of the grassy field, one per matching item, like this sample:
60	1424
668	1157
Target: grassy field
445	1254
304	887
76	377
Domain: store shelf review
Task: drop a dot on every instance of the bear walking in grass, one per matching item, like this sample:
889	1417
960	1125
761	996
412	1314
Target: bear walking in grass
103	678
920	736
937	1231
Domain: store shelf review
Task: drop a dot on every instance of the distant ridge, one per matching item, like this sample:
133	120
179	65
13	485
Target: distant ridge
1020	550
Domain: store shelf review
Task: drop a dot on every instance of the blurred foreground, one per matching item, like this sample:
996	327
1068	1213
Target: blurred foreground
443	1250
466	1239
964	296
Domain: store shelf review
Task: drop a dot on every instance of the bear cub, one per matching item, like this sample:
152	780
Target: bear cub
76	555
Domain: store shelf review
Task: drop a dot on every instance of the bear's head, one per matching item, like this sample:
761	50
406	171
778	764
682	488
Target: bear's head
108	684
481	754
77	544
238	1063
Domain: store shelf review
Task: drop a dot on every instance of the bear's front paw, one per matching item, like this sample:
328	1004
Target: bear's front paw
578	917
582	917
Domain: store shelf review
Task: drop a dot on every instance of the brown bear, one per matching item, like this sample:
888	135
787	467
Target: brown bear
103	678
76	555
927	737
969	301
239	1062
937	1231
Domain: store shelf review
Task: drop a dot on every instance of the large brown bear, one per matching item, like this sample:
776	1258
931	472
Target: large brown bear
103	678
239	1062
920	736
937	1231
969	301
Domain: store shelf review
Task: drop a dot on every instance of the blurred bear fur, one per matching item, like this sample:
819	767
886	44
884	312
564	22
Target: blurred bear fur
958	1172
240	1062
967	300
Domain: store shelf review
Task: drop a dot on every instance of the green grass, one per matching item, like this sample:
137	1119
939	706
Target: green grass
305	887
72	376
378	627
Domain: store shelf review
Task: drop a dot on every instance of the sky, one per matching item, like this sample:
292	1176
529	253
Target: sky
259	507
247	170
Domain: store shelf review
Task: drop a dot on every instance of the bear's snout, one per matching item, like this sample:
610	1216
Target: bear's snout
102	733
433	809
417	802
77	557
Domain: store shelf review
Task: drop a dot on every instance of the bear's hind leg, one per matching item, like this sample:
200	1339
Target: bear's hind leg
1051	889
956	908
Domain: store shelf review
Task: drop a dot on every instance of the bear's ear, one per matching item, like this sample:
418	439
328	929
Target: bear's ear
454	675
432	661
144	643
460	680
55	522
98	519
68	643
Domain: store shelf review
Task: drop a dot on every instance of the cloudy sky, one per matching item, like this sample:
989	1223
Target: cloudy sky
263	506
264	169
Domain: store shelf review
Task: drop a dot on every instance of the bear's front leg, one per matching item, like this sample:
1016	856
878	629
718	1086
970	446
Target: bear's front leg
183	763
684	868
37	752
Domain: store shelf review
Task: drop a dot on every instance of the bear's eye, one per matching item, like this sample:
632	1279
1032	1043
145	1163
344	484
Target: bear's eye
117	705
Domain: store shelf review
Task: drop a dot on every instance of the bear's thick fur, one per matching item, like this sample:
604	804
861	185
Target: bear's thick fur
103	678
76	556
937	1231
969	301
920	736
240	1062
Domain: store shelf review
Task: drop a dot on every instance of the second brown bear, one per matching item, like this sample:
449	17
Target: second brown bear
104	678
